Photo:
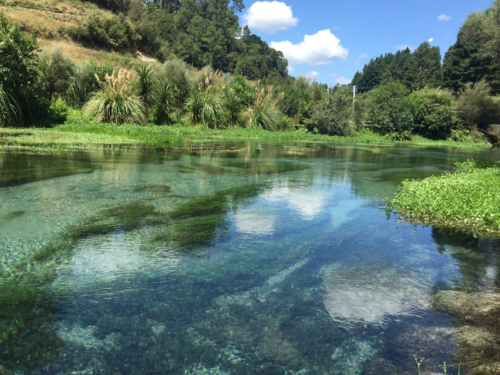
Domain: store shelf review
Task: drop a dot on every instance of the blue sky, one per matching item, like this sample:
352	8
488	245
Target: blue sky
358	30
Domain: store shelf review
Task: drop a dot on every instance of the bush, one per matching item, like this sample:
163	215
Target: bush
56	71
264	113
117	102
112	33
10	111
469	200
433	114
334	115
18	71
145	81
242	89
176	72
234	107
165	101
391	108
86	78
475	106
58	110
207	108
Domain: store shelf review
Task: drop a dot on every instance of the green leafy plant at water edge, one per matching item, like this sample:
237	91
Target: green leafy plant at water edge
165	101
264	112
468	200
10	111
117	102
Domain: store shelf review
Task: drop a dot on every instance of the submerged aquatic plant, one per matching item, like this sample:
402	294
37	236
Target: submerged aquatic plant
117	101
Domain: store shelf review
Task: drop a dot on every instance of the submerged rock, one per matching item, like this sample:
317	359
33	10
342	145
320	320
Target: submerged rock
477	325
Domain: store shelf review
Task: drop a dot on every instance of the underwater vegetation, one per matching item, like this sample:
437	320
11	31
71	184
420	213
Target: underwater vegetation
14	214
27	328
183	169
154	189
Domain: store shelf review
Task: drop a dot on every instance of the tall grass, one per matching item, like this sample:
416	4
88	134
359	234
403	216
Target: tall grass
165	101
10	111
117	101
207	108
264	113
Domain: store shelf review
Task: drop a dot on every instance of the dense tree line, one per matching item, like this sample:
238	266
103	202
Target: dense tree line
201	33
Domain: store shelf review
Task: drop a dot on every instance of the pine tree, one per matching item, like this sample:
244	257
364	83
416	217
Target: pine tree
424	68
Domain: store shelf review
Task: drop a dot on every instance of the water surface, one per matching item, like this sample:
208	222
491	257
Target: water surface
245	259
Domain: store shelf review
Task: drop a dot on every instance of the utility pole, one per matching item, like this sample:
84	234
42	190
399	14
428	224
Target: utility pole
353	90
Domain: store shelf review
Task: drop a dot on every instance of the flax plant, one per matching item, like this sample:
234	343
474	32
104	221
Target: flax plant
117	101
10	111
264	113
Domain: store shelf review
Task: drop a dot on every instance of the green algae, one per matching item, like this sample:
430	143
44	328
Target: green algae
260	167
194	232
85	170
185	170
27	329
14	214
154	189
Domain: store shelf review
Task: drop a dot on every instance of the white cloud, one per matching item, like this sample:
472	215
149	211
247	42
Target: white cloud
337	78
363	56
402	47
431	40
313	75
444	17
318	49
291	69
270	16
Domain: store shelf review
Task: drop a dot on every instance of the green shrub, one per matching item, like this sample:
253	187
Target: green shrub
207	108
335	114
391	108
242	89
112	33
469	200
264	112
117	102
56	71
234	107
176	72
10	111
433	113
58	110
145	81
18	72
165	101
476	107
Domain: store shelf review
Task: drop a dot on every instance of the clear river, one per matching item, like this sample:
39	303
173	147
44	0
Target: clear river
236	258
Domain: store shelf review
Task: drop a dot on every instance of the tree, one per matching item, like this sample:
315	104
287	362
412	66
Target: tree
391	108
424	68
433	112
56	71
18	65
484	28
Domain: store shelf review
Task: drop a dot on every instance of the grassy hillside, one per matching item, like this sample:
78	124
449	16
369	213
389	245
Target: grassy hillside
47	17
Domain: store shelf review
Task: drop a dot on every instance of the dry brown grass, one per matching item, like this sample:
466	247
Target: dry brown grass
46	17
78	53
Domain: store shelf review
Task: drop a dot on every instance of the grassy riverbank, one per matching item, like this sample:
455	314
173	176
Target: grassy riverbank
467	200
81	135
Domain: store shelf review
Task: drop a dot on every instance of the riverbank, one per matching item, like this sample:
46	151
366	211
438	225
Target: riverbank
467	200
92	135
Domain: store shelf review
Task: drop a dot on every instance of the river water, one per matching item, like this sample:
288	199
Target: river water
232	258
